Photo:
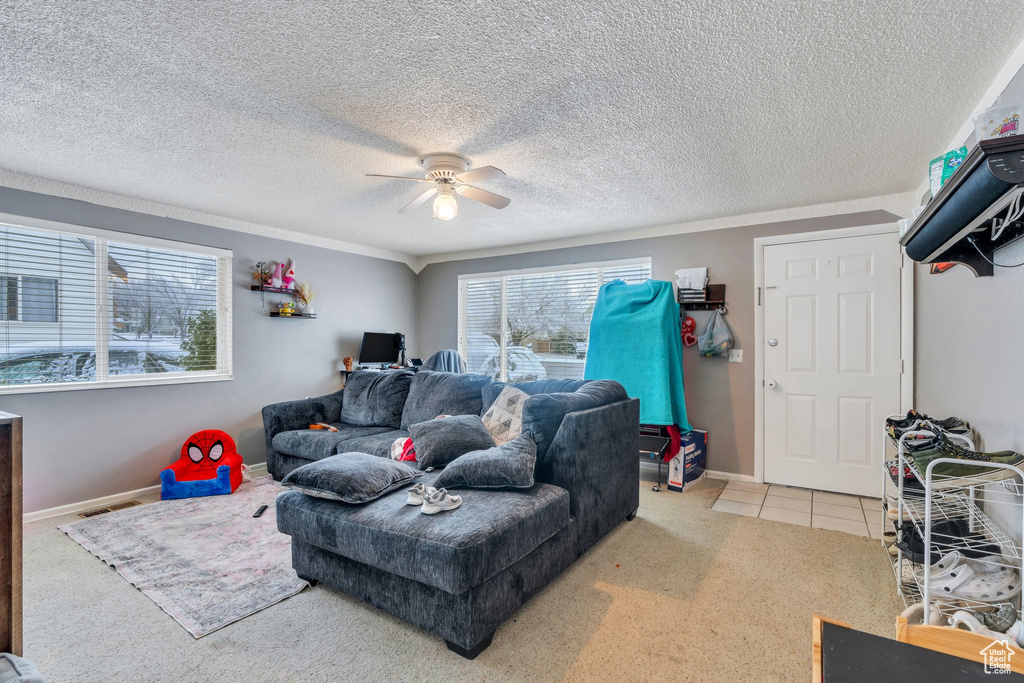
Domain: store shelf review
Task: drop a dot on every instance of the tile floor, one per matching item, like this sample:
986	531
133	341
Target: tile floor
818	509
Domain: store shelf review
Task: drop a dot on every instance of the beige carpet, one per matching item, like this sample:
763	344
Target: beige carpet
681	593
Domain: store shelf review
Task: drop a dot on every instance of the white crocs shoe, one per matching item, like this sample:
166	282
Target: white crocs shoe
440	501
419	493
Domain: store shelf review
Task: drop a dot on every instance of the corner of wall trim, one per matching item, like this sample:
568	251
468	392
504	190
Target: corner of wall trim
730	476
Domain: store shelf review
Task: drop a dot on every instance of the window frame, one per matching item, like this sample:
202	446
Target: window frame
503	275
224	371
21	300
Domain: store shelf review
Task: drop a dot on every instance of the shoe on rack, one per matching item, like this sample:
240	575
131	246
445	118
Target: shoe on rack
915	615
892	513
997	617
907	422
966	621
419	493
964	581
953	425
958	475
947	535
440	501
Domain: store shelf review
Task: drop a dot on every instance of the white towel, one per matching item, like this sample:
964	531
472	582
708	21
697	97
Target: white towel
692	278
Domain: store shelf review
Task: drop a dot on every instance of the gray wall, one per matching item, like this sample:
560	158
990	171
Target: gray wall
90	443
968	348
719	395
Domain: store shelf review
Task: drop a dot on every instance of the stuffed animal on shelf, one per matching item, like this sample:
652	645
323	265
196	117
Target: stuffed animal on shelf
288	279
209	466
275	276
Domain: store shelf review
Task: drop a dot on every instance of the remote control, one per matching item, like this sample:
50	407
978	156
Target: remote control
260	511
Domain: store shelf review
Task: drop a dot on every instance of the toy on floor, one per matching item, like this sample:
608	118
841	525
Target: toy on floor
209	466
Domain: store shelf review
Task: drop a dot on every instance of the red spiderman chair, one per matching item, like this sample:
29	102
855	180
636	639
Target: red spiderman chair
209	466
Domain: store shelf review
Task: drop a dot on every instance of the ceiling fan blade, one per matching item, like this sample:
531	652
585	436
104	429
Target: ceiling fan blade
399	177
483	173
419	200
483	196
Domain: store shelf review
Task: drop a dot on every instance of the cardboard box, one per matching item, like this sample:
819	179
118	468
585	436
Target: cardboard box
689	464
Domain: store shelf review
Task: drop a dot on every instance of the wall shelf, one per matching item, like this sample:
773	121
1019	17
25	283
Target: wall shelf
714	297
976	212
273	290
276	314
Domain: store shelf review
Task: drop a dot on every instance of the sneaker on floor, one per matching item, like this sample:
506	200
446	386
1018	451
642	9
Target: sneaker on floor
440	501
418	494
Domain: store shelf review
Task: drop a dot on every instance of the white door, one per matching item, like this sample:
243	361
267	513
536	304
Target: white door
831	360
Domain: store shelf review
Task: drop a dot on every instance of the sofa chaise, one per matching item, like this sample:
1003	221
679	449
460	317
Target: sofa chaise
458	574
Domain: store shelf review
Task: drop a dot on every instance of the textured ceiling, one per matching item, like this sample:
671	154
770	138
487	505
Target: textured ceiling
604	115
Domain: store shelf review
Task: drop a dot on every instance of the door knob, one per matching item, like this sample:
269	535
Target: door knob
771	384
773	342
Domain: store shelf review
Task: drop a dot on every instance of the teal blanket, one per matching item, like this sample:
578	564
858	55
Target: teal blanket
635	340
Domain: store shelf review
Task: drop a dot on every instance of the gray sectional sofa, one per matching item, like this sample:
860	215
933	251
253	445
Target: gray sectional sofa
458	574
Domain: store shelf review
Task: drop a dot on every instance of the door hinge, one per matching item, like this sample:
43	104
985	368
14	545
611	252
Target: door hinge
758	296
902	366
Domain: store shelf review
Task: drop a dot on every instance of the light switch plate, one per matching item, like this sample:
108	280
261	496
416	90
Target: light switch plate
736	356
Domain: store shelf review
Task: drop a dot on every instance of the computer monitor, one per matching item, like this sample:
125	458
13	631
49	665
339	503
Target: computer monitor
379	347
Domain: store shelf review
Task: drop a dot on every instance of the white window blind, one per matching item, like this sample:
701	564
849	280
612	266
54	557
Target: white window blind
534	324
94	308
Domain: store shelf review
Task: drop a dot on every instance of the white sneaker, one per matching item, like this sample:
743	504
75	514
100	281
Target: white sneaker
440	501
418	493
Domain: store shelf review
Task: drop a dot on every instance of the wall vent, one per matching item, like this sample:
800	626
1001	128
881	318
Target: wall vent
110	508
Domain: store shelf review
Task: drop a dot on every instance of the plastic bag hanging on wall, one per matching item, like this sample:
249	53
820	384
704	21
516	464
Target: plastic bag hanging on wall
716	339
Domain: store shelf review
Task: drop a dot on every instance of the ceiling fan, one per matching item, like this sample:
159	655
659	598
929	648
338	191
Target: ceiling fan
449	175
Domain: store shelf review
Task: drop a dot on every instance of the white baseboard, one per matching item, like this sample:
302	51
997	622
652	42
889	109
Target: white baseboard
255	470
730	476
711	474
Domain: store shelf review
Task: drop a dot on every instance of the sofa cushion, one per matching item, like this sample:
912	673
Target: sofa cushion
314	444
375	444
375	399
504	419
540	386
443	393
437	442
351	477
453	551
509	465
543	413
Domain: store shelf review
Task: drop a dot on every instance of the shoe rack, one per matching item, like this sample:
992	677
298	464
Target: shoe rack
994	491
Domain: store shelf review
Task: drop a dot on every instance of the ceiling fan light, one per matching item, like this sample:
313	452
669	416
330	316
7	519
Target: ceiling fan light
445	207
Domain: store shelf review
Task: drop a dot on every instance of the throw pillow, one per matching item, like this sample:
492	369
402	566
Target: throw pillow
435	393
504	419
350	477
375	399
437	442
509	465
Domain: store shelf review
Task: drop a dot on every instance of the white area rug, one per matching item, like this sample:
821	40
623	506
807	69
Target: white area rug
205	561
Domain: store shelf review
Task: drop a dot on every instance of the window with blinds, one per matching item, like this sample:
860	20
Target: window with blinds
533	324
96	308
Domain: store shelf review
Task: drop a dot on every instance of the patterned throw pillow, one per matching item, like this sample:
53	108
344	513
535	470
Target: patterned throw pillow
504	419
